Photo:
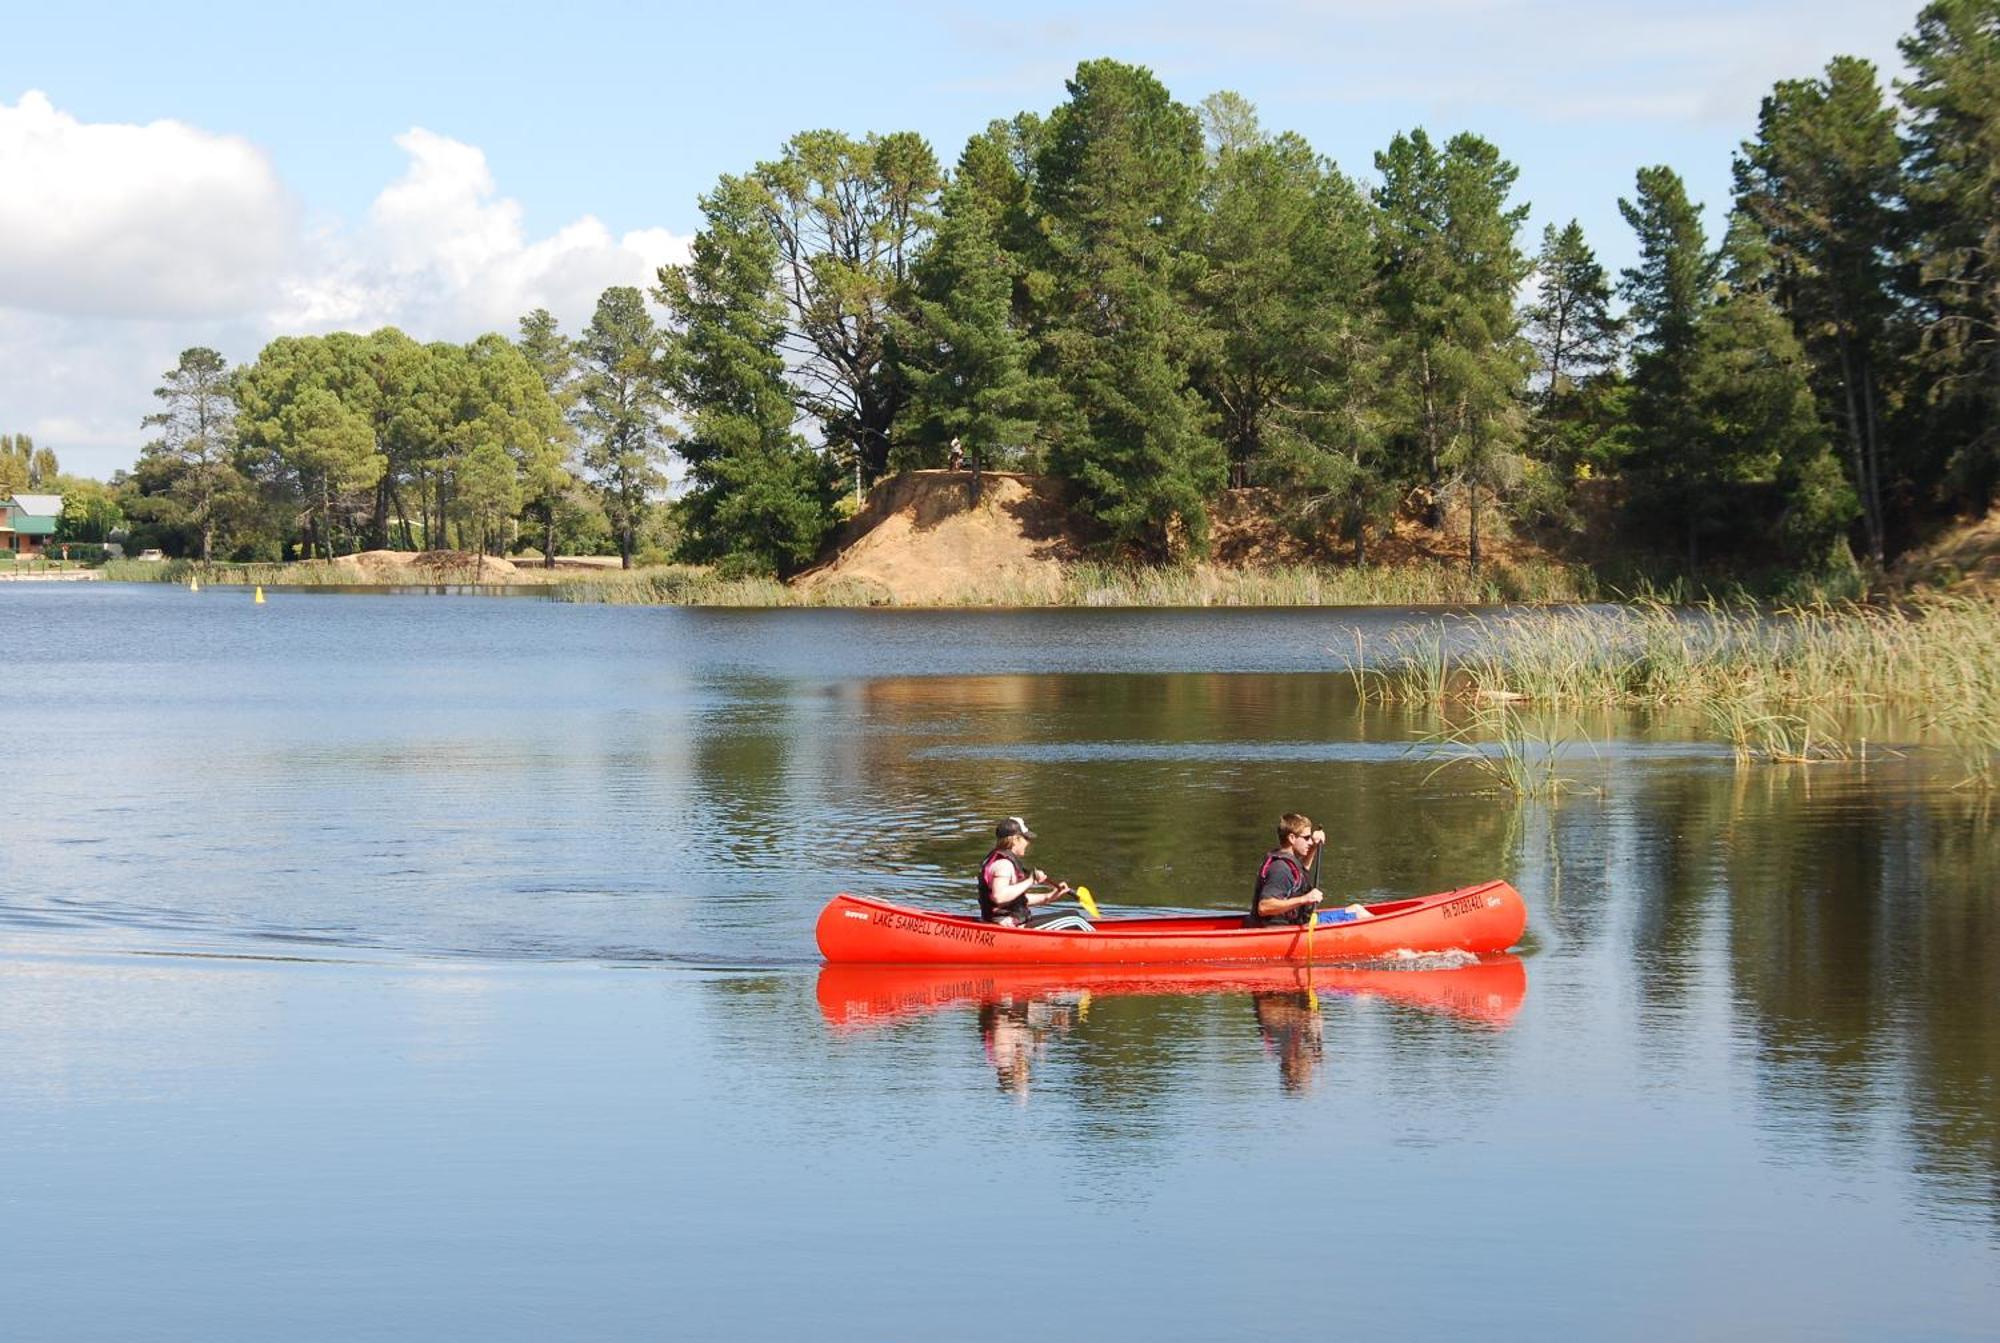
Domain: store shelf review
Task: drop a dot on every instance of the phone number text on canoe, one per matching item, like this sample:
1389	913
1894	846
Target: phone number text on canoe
903	923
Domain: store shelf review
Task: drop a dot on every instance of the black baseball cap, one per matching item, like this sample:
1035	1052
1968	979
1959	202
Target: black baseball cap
1012	826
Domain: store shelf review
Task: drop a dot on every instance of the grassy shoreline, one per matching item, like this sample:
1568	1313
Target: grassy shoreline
1074	584
1096	585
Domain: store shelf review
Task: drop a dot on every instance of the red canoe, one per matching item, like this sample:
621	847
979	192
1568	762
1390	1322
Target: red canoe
1479	919
861	997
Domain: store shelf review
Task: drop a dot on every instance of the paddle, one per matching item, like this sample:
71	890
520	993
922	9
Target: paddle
1089	905
1312	923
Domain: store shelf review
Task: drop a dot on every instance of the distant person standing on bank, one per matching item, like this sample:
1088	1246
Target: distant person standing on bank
957	455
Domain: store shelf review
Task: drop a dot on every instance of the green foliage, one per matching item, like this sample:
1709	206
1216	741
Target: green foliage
1952	98
1449	269
1668	293
1294	368
91	510
196	450
1117	183
1820	183
1578	345
306	440
1570	325
967	362
1754	418
758	497
621	410
845	219
23	466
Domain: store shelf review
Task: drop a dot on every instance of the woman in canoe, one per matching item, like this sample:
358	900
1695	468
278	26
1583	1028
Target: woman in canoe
1009	888
1284	892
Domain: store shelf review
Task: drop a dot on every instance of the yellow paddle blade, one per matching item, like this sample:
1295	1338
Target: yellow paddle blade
1083	898
1083	1006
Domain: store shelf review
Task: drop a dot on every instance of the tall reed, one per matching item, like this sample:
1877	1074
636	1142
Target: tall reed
1502	745
1768	680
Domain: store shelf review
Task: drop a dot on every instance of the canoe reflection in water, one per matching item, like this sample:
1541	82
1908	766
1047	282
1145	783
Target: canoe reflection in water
1022	1009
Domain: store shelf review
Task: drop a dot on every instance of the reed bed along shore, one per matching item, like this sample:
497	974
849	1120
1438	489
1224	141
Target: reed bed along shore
1778	685
1112	585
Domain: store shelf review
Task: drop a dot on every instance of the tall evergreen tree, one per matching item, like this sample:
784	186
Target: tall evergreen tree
759	499
966	360
1578	346
1953	102
622	406
551	480
1669	291
1755	423
1449	269
1116	183
1570	324
197	441
1292	368
1821	181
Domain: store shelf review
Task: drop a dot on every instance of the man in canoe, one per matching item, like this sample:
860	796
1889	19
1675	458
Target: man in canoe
1009	888
1284	892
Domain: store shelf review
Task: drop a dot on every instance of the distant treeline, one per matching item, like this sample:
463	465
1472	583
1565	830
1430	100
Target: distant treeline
1155	301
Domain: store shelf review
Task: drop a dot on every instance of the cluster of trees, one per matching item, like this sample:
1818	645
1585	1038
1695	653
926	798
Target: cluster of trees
25	467
1155	301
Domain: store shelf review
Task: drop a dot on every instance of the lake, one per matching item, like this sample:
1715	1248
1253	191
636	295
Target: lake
426	966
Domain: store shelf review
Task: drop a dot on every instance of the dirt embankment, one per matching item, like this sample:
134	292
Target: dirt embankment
921	538
460	566
1964	557
427	566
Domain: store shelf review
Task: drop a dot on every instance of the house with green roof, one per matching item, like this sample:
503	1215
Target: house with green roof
27	521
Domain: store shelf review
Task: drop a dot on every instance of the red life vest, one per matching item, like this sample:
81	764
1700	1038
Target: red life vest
1298	886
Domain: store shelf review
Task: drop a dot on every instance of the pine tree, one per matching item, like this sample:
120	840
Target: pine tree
1953	103
1570	324
1821	181
1449	268
621	410
759	499
550	480
1116	183
1578	344
197	442
1755	422
846	219
965	359
1669	292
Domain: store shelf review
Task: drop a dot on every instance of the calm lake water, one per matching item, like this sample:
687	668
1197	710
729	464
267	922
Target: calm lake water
425	967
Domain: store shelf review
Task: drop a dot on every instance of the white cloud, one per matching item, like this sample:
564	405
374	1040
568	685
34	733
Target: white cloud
161	220
122	245
442	254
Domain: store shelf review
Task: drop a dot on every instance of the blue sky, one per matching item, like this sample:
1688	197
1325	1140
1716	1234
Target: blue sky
439	165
